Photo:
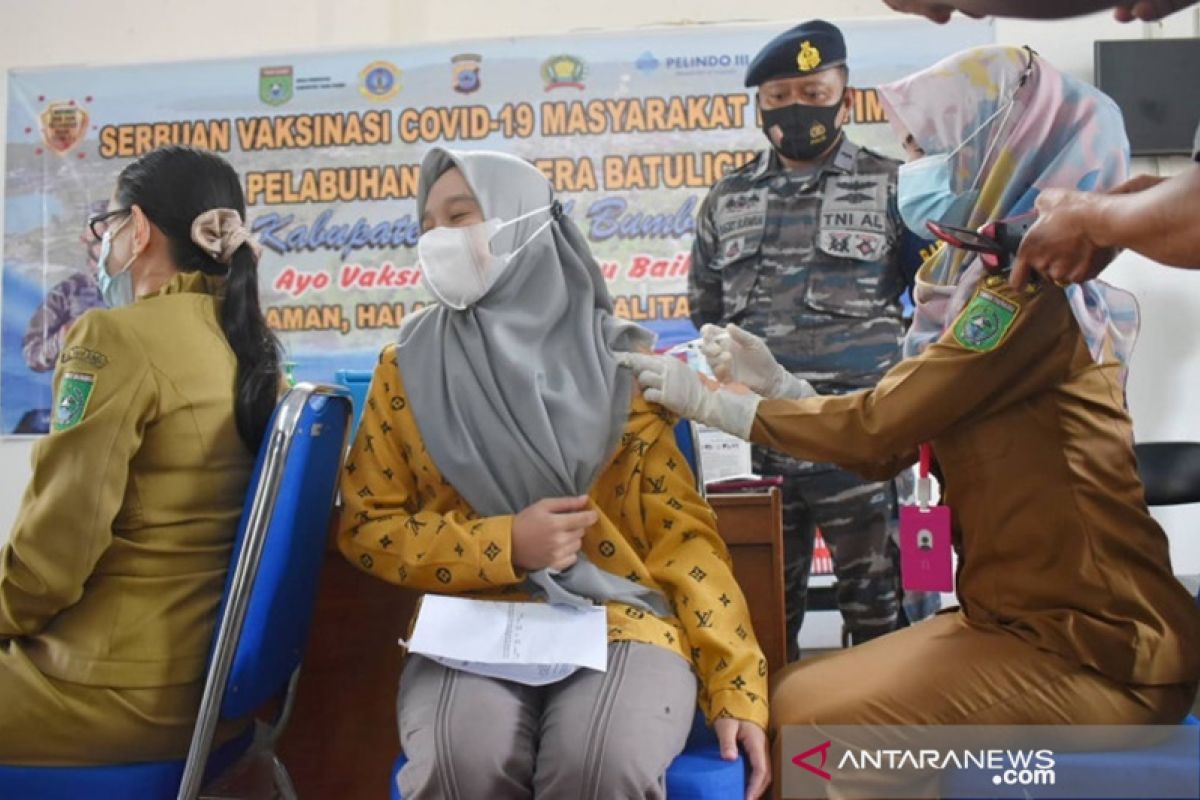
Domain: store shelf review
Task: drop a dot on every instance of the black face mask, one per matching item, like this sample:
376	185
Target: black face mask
808	131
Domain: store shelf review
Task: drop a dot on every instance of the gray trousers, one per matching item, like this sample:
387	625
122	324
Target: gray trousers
593	736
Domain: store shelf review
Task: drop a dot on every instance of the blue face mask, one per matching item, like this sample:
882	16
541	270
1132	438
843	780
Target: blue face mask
116	290
925	187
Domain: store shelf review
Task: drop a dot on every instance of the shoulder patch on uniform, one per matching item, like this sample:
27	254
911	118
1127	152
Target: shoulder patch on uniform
74	391
93	358
894	163
984	323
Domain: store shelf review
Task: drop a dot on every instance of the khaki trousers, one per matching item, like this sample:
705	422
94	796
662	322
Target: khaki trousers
948	671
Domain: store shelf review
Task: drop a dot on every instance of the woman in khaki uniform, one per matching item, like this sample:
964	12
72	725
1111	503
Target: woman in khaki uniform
1070	613
110	579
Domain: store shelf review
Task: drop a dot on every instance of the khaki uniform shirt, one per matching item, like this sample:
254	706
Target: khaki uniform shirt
1054	539
116	564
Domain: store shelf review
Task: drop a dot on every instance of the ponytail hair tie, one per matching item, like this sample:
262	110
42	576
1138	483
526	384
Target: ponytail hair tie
220	232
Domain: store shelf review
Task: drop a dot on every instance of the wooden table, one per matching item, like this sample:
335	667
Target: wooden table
342	739
750	524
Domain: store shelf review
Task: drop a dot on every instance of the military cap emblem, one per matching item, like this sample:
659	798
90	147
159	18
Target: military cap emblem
809	57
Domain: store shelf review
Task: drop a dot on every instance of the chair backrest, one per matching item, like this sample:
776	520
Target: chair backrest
271	588
1170	472
687	438
358	381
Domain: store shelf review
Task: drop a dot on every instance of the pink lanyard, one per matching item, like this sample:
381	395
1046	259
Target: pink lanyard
924	484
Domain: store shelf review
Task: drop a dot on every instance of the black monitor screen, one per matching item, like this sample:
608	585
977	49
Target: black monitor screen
1156	82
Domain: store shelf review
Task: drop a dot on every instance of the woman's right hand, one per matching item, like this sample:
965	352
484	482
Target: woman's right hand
737	356
549	533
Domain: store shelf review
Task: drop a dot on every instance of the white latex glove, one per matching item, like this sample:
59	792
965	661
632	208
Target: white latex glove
671	383
736	356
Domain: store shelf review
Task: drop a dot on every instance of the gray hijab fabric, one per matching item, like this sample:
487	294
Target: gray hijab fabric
519	397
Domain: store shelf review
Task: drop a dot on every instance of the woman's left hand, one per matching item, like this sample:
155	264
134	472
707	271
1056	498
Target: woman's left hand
753	739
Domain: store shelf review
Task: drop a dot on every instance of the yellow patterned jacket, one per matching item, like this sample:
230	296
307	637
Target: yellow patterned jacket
404	523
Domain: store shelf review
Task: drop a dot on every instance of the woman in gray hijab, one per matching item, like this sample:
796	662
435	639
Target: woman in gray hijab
505	455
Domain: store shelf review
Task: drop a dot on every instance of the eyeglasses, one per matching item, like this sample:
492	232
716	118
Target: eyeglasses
98	223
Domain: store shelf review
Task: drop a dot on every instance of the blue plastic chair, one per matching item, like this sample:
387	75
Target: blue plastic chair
358	381
699	772
1170	473
687	438
264	617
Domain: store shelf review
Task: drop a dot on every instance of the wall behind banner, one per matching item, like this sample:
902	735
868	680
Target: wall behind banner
1166	368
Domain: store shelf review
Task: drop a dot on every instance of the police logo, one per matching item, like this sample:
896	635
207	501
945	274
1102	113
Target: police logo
563	71
817	133
809	57
465	73
275	85
379	81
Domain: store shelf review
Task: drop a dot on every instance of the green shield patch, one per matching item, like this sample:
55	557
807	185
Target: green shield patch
73	394
984	323
275	85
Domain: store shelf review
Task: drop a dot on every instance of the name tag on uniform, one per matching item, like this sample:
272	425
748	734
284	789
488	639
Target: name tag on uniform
926	555
926	551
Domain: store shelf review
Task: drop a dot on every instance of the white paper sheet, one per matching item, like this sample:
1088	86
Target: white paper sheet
723	456
530	643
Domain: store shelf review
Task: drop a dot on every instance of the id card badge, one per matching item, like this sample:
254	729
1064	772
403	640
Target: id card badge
926	552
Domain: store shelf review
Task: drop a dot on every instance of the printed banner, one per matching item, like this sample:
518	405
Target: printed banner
631	127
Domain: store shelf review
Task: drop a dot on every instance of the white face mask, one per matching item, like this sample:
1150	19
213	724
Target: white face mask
458	263
117	290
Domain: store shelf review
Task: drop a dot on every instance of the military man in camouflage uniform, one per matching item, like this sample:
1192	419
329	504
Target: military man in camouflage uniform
804	247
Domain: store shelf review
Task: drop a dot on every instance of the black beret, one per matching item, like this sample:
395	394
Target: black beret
807	48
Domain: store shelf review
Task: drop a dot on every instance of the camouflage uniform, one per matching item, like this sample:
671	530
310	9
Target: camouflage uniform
64	304
815	262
